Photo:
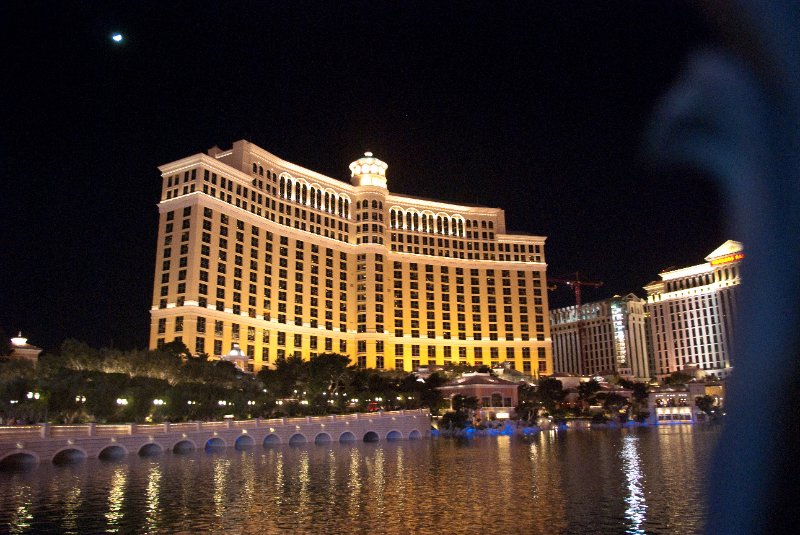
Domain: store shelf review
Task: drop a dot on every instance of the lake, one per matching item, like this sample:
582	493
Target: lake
641	480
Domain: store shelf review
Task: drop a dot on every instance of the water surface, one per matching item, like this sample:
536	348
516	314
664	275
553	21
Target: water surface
647	480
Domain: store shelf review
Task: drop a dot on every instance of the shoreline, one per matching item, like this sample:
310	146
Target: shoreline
530	430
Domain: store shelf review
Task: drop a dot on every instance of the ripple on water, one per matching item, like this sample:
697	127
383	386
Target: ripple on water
609	481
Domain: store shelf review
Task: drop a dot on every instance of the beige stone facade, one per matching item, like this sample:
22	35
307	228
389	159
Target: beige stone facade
282	260
692	313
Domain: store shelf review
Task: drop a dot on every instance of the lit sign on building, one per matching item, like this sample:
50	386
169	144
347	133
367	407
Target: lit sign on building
619	333
727	259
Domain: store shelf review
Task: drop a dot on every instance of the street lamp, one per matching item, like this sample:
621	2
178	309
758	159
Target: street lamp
33	395
158	402
80	399
122	401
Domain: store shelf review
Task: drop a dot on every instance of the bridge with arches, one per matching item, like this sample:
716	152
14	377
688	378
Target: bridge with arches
29	445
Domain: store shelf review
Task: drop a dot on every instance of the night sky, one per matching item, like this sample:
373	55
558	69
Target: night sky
539	110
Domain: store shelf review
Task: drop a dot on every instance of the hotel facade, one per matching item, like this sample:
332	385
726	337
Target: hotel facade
692	313
260	255
601	338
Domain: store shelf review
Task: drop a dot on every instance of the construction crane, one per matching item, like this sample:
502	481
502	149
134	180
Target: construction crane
576	283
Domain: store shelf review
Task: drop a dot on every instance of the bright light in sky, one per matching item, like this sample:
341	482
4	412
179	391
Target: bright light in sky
117	37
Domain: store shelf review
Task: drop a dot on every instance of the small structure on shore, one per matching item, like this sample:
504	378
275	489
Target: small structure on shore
22	350
237	357
496	397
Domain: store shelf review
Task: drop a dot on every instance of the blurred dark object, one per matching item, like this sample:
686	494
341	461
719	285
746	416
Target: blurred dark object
734	112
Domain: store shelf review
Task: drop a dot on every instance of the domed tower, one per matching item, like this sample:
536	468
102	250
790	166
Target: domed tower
368	174
368	171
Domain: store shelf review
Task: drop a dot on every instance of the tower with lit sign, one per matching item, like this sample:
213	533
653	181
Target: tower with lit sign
615	338
692	312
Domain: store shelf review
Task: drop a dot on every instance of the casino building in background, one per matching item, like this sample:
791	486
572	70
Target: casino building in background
259	255
601	338
692	313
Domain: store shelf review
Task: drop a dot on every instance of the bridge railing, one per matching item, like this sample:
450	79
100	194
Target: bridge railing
16	432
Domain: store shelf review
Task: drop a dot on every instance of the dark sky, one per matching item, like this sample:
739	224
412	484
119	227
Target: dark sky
536	109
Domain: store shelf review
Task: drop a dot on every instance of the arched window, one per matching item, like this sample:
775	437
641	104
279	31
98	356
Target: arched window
393	219
288	189
255	167
380	205
446	225
283	187
340	210
297	191
346	208
358	205
260	170
319	199
408	221
327	202
305	194
312	197
416	221
374	203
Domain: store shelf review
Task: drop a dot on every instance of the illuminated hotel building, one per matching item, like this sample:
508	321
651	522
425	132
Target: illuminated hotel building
612	335
692	313
280	260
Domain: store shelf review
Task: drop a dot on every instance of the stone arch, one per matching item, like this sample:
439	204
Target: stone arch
112	452
19	460
271	440
414	435
371	436
184	446
345	209
215	443
458	225
69	455
330	201
314	194
394	434
297	439
150	449
347	436
243	442
322	438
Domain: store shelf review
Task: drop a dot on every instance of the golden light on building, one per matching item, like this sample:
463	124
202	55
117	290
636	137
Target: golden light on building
280	260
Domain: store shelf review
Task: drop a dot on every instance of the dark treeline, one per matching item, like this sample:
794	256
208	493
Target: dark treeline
85	384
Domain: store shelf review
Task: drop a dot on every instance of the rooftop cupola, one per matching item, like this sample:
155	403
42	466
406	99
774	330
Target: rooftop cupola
368	171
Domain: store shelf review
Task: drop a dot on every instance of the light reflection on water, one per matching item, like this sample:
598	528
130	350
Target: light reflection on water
609	481
637	508
116	498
